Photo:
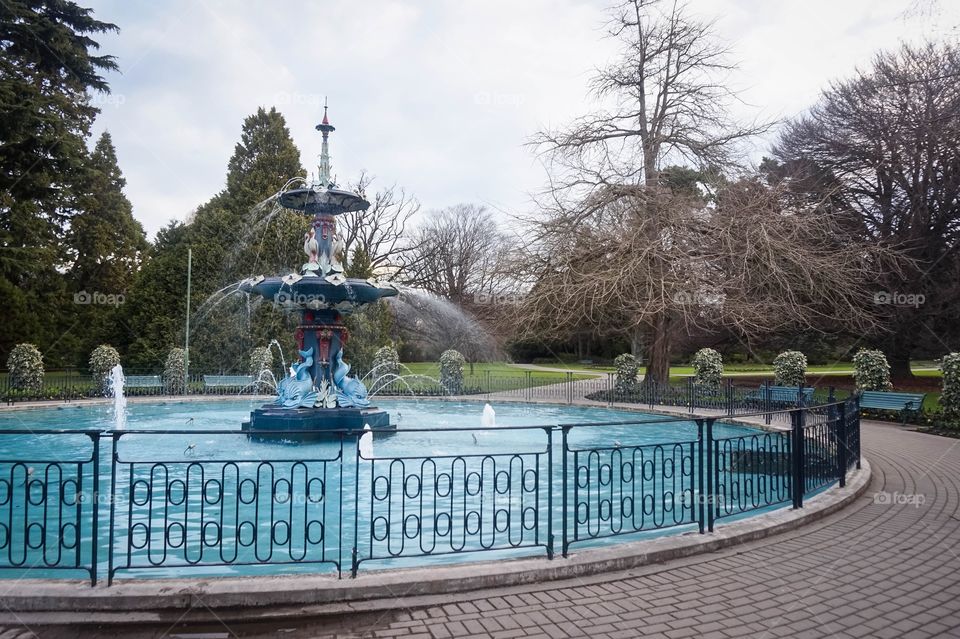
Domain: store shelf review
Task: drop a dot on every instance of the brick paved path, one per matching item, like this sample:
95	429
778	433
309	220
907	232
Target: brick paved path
872	570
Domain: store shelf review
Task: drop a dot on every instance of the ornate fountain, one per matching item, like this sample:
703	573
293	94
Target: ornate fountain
319	393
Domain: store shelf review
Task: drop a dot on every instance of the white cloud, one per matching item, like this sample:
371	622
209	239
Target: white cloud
436	96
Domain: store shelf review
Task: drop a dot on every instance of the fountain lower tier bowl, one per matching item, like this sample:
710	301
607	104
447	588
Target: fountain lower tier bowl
315	292
317	423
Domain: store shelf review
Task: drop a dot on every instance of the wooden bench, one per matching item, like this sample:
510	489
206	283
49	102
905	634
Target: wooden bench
142	381
900	402
227	381
782	394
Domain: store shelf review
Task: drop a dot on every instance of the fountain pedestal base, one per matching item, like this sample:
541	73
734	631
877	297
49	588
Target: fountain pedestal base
274	418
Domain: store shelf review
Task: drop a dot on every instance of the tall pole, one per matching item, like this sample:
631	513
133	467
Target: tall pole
186	342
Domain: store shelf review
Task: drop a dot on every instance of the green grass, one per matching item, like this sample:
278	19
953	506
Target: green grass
491	369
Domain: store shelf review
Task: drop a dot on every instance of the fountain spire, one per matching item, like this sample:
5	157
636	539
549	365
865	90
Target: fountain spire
325	128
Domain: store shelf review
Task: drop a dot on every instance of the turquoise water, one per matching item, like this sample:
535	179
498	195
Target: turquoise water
217	503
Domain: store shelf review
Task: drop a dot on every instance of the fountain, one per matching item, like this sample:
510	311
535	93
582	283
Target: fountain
319	394
115	384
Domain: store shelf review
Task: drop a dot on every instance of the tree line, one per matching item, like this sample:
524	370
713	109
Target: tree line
654	234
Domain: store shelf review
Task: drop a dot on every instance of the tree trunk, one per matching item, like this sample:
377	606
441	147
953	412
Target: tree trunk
658	360
636	343
899	357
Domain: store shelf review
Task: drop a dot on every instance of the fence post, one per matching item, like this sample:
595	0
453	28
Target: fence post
729	396
701	492
549	430
95	518
113	501
767	403
690	391
711	484
797	456
569	387
566	491
856	399
841	435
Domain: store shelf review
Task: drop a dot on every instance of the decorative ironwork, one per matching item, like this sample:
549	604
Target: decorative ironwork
174	509
454	503
169	513
750	472
619	489
48	506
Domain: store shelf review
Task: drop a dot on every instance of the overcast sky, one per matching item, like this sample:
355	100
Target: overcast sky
438	97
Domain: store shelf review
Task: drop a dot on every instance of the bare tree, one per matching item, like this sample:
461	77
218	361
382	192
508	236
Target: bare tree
380	231
669	104
641	257
884	147
457	253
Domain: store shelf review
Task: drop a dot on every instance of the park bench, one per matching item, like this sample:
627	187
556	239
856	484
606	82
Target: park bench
142	381
782	394
903	403
227	381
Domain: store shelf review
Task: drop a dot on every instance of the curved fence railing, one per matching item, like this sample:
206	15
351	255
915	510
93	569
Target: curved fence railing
144	503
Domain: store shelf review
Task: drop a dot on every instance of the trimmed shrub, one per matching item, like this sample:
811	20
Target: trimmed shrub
25	366
790	369
871	371
451	370
386	361
627	370
102	360
261	363
173	371
708	368
950	399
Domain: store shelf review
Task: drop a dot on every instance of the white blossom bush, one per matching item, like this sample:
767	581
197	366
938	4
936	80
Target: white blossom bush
790	369
25	368
102	360
708	368
386	361
871	371
261	363
173	371
627	370
950	398
451	370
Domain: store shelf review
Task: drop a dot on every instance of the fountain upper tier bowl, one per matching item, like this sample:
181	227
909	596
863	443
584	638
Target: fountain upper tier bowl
316	292
319	201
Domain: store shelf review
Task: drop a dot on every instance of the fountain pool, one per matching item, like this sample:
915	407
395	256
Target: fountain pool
182	491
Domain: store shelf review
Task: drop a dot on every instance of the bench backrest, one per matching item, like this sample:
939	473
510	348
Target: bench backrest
227	380
142	381
786	393
891	401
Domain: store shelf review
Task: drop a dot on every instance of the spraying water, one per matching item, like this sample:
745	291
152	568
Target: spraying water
115	390
489	418
366	443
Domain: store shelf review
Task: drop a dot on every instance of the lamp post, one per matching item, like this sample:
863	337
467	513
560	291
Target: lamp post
186	342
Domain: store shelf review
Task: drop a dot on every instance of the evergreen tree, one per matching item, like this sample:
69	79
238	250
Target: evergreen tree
106	242
231	239
105	245
47	66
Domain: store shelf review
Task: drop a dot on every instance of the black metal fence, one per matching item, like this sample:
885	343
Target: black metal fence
108	509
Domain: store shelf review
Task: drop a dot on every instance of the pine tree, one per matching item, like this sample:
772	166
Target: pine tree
47	66
107	242
230	240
